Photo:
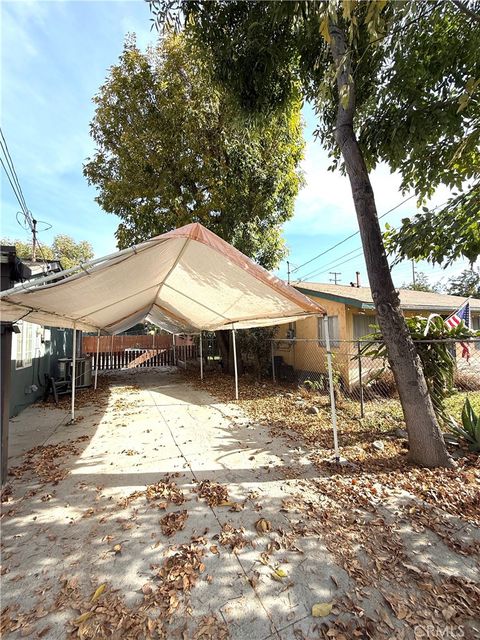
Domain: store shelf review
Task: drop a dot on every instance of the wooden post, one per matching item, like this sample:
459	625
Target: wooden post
201	357
7	261
74	369
235	363
96	359
174	352
332	392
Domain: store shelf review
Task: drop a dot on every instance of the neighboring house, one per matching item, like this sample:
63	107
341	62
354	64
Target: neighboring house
35	350
351	313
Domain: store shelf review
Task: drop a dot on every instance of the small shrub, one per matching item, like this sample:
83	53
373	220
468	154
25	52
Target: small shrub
314	385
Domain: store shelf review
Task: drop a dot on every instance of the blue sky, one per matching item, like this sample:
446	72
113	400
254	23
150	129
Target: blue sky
55	55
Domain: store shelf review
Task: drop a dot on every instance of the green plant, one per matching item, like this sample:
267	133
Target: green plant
255	348
313	385
434	343
470	429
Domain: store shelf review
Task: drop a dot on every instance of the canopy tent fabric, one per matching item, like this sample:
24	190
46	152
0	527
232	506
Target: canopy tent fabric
184	281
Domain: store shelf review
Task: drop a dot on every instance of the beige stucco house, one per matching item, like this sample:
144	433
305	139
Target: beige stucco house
350	313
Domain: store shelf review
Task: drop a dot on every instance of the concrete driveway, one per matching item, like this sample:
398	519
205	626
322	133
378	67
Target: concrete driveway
116	526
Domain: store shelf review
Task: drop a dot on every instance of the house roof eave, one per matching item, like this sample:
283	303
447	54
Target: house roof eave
330	296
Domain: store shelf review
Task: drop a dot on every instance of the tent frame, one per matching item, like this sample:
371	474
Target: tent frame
74	371
333	409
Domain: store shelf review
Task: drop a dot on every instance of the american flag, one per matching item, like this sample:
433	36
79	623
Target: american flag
463	313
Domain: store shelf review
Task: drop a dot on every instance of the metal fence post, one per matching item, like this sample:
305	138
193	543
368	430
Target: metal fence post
332	392
235	363
360	380
74	371
96	359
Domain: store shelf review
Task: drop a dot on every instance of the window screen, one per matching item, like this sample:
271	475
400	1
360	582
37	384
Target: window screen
361	325
25	345
333	332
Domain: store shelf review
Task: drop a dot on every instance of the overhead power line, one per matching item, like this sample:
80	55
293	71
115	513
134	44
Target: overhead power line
333	264
352	235
329	265
12	176
11	173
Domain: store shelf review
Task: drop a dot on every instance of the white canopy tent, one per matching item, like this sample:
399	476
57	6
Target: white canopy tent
185	281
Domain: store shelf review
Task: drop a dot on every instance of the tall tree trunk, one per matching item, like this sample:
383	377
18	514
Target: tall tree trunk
225	345
427	447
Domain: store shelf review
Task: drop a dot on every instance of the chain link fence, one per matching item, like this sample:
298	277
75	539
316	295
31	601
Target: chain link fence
366	383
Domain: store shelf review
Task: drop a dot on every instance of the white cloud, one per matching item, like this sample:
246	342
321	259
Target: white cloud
325	205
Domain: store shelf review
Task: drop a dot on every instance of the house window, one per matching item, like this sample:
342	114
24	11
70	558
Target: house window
333	332
25	345
291	330
361	325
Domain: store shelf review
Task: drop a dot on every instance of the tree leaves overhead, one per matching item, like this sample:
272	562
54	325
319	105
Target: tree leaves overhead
441	237
424	108
173	148
416	70
467	284
423	119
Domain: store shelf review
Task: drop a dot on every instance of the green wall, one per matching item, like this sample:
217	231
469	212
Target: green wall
21	396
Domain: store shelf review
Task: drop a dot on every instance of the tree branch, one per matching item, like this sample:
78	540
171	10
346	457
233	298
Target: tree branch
466	10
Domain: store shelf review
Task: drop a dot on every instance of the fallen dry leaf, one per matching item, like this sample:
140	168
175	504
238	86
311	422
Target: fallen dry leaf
98	592
214	493
173	522
263	525
321	609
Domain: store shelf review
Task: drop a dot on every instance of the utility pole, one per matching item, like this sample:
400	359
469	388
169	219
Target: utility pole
7	266
335	275
288	272
34	240
413	273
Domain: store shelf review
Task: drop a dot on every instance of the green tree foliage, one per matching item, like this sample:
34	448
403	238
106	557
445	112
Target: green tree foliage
255	347
342	53
422	283
433	341
423	119
440	236
467	284
173	148
63	248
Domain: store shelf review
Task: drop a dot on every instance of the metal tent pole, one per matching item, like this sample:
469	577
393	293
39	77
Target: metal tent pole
201	357
235	363
74	369
332	393
33	284
96	360
273	360
174	351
